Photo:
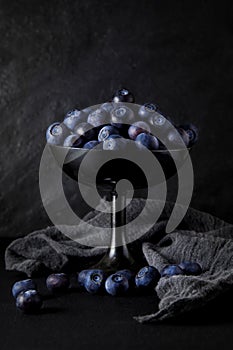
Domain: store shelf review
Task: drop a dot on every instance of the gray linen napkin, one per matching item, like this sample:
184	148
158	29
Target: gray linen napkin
200	237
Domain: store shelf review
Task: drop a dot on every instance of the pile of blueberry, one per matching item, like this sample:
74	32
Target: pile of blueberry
115	123
94	281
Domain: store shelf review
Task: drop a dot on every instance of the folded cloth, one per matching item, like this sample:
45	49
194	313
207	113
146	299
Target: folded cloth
200	237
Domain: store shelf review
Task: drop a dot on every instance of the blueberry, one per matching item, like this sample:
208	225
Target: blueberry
121	115
74	117
98	117
106	131
57	282
147	110
128	274
147	277
74	141
115	143
82	276
190	268
22	286
146	140
88	110
87	130
56	133
177	138
137	128
29	301
171	270
91	144
184	135
192	132
117	284
157	119
123	95
122	129
107	106
94	281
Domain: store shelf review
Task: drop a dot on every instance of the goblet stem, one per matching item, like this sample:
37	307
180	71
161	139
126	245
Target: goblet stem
117	256
118	221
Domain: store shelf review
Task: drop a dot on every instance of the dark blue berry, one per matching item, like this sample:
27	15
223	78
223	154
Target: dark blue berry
137	128
121	115
74	141
57	282
91	144
82	128
106	131
82	276
147	110
129	275
107	106
29	301
56	133
147	277
171	270
117	284
146	140
184	135
115	143
177	138
192	132
122	129
88	110
87	130
98	117
190	268
123	95
22	286
73	118
94	281
156	119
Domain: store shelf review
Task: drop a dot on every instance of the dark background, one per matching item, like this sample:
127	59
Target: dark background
56	55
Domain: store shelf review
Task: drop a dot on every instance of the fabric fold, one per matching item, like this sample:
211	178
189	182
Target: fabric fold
200	237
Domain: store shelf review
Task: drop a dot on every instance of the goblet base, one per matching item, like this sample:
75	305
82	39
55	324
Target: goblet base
121	259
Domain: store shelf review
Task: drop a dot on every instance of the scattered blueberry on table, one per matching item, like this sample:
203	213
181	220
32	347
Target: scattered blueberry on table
57	282
117	284
147	277
129	275
94	281
81	276
22	286
171	270
191	268
29	301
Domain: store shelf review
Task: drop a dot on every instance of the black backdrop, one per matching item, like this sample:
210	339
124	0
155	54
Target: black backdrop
55	55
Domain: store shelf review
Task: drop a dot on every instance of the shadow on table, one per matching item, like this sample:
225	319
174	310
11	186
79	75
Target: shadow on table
217	311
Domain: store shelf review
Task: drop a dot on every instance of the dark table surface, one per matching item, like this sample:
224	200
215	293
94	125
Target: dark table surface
79	320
